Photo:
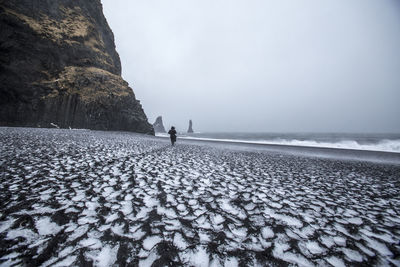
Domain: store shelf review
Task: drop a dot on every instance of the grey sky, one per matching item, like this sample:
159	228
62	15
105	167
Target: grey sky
258	65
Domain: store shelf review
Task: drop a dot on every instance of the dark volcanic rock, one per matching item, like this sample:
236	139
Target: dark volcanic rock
158	125
58	64
190	130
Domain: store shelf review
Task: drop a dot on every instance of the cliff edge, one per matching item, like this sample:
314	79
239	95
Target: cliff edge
58	64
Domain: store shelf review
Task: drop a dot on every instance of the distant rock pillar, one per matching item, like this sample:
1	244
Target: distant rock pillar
190	130
158	125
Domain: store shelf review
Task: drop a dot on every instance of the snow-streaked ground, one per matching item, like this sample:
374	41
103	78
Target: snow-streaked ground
70	197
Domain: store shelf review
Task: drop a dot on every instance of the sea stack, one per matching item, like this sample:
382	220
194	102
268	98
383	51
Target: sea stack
190	130
59	66
158	125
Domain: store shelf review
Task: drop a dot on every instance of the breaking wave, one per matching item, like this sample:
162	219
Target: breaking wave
387	145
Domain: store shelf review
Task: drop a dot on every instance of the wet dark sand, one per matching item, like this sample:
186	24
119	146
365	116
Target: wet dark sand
75	197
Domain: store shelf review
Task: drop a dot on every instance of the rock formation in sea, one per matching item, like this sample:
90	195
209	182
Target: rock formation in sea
190	130
58	64
158	125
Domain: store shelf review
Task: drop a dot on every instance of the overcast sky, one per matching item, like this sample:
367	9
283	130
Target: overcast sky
259	65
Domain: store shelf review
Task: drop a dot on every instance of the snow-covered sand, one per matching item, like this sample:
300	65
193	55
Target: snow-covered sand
77	197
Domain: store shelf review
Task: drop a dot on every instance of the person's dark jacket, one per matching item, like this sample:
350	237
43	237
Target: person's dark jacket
172	134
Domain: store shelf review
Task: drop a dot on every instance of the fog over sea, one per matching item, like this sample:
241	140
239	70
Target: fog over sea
389	142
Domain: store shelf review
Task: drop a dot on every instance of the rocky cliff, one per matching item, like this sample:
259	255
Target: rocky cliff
58	64
190	129
158	125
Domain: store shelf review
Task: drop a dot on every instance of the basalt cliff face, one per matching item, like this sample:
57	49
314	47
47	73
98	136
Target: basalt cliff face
58	64
158	125
190	129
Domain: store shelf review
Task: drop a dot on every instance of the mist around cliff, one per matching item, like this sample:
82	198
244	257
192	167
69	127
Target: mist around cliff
263	66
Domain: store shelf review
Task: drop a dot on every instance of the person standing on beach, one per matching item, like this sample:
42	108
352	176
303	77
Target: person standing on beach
172	135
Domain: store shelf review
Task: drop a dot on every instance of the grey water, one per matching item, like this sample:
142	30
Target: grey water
363	141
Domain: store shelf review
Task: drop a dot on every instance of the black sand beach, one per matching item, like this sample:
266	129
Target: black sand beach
80	197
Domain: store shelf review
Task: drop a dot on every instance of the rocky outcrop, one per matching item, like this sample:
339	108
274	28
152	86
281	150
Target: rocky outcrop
158	125
58	64
190	129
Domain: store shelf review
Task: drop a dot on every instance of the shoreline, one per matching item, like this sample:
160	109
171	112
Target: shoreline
322	152
386	157
311	143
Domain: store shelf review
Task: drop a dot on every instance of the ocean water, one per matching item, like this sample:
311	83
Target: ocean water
373	142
